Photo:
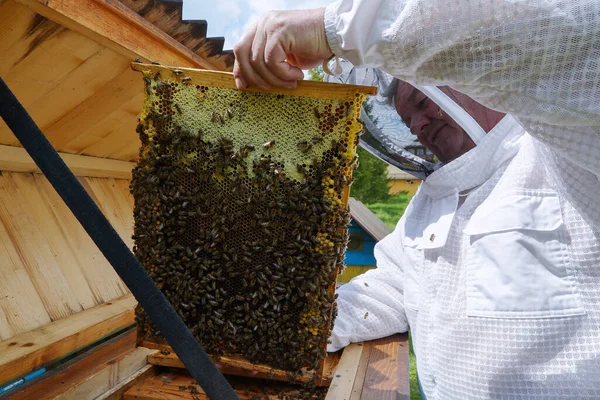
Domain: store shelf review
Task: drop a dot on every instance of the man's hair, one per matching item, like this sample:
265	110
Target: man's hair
389	94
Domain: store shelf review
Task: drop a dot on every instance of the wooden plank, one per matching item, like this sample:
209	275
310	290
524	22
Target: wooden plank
102	279
118	131
79	85
112	373
21	31
345	373
49	227
30	350
320	90
88	117
117	392
16	159
239	366
387	374
123	185
179	385
21	305
361	372
114	206
117	27
47	64
75	372
34	249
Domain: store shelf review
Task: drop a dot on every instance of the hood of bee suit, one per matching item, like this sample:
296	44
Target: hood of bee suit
385	134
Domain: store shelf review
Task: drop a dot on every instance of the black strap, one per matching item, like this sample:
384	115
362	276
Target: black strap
117	253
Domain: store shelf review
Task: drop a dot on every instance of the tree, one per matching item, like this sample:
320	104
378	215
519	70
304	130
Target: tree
316	74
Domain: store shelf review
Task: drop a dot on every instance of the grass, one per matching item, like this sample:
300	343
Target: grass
390	212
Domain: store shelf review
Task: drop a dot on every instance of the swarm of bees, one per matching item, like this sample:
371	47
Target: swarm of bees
241	215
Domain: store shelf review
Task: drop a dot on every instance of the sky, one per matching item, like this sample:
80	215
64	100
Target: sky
229	18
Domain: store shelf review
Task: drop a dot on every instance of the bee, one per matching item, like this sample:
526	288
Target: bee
186	79
177	71
229	113
155	63
177	108
138	60
156	75
366	284
348	108
317	114
269	144
366	315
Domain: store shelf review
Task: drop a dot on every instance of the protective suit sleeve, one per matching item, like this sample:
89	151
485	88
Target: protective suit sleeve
371	306
538	60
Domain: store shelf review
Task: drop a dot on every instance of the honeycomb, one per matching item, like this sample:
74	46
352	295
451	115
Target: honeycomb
241	213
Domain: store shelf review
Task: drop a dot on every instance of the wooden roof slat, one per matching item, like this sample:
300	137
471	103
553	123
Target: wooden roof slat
367	220
167	16
115	26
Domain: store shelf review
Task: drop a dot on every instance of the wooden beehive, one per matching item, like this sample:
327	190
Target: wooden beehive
241	210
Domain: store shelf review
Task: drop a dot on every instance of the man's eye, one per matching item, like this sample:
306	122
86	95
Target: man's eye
421	104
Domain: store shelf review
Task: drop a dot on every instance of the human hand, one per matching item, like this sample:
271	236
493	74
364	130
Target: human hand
278	47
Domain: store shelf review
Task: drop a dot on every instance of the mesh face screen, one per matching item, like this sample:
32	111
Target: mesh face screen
241	213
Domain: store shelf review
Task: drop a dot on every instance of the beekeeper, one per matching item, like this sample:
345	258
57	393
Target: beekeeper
495	265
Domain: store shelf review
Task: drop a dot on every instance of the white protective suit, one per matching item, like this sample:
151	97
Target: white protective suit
495	266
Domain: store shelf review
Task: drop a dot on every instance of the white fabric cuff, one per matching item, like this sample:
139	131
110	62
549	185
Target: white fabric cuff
331	30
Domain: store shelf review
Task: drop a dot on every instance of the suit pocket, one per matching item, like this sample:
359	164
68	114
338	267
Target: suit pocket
517	262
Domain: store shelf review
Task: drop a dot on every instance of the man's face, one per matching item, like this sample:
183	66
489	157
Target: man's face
432	127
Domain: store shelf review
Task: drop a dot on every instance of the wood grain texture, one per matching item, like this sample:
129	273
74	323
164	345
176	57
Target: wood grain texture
387	373
33	247
101	372
113	204
116	393
102	279
30	350
345	373
21	307
239	366
176	385
320	90
115	26
16	159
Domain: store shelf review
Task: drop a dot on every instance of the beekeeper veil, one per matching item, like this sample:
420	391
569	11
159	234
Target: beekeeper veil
385	134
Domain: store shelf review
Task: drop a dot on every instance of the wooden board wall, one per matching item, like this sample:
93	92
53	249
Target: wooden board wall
49	267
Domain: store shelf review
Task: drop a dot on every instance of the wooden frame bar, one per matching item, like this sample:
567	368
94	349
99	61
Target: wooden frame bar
31	350
115	26
16	159
239	366
319	90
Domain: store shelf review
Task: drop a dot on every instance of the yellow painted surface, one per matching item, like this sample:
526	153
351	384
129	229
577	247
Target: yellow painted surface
401	185
352	271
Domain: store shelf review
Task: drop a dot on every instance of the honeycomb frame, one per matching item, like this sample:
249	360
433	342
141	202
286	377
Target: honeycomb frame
241	224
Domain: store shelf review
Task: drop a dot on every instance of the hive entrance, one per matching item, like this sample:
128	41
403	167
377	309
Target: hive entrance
240	212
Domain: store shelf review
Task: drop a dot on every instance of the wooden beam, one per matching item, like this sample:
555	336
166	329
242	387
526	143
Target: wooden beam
239	366
345	373
16	159
319	90
101	371
387	376
28	351
115	26
118	391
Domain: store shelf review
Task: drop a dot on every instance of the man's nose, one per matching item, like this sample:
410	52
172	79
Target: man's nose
418	122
